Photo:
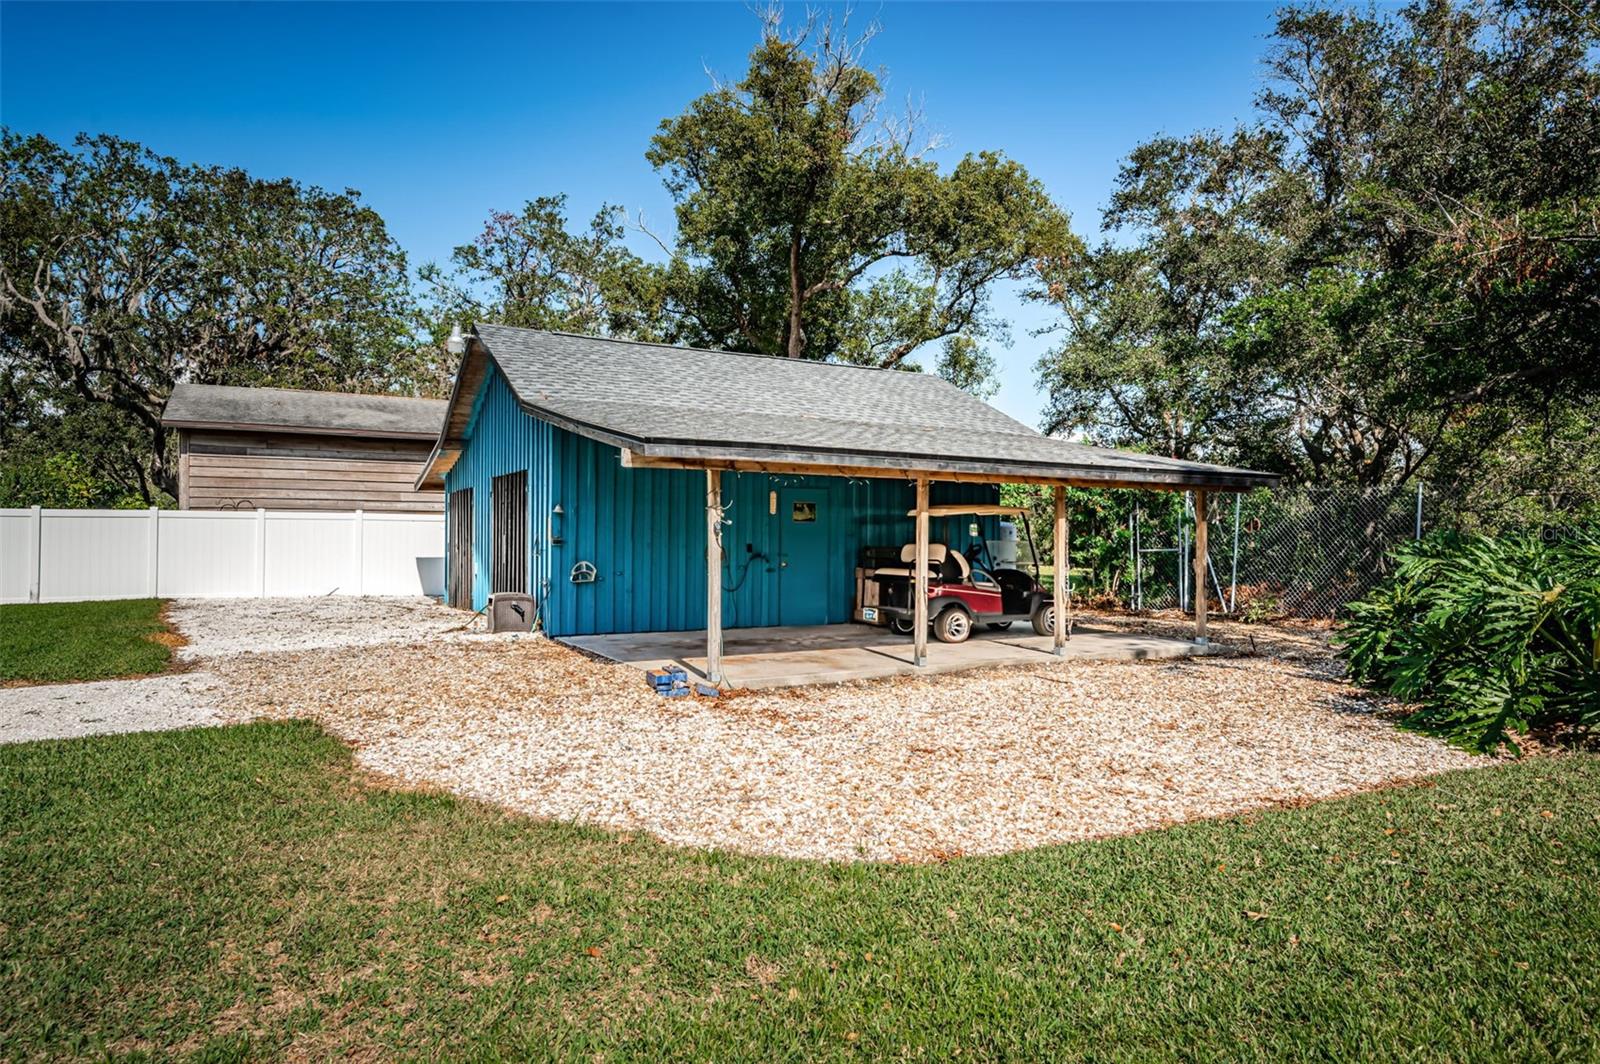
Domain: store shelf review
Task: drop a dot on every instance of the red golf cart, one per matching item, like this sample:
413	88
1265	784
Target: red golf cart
965	588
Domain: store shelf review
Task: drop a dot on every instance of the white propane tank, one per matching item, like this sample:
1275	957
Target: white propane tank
1004	549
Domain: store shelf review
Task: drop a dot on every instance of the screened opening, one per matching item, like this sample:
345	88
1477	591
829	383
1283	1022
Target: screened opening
508	570
460	534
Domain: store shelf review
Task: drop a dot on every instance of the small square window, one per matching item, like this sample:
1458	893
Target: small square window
804	512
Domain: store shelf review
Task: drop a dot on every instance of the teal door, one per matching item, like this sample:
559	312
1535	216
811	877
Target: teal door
804	568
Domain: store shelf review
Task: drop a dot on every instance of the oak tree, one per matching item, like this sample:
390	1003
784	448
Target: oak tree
810	224
1395	264
123	272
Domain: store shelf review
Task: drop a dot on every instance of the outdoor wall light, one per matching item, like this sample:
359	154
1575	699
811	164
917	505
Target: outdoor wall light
556	514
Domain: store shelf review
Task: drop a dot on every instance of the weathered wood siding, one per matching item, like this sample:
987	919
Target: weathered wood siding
221	470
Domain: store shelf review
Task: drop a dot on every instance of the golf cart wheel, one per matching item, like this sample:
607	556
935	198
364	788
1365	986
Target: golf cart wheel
1044	619
999	626
952	626
902	625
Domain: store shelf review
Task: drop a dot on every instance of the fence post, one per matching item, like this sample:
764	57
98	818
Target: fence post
1233	578
1183	556
261	553
153	577
1202	561
1419	510
361	547
1061	580
36	557
1133	556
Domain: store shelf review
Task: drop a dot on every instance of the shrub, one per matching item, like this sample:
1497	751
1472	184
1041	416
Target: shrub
1259	603
1489	636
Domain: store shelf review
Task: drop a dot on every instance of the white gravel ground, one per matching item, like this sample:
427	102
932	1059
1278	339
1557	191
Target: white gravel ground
217	628
904	769
70	710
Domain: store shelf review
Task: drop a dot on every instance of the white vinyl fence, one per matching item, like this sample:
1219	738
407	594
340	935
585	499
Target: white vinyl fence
69	555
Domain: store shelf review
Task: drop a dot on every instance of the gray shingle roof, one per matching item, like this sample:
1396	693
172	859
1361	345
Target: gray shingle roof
223	406
677	402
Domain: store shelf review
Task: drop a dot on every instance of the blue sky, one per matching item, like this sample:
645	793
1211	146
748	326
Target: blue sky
440	113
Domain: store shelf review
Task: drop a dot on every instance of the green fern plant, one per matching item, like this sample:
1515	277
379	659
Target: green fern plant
1490	637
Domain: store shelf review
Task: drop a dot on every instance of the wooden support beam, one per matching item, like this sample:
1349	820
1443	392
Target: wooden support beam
1200	596
919	587
1061	584
714	576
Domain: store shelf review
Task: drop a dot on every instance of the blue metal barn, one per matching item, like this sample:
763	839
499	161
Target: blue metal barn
576	471
789	546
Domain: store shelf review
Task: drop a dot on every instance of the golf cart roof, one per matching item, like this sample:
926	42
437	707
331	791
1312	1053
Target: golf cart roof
977	509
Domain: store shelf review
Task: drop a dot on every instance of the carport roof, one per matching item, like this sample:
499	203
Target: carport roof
680	406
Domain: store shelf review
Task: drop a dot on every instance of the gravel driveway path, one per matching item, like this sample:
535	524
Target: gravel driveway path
217	629
70	710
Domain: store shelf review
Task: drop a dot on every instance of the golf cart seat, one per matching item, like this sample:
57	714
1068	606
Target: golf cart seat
944	564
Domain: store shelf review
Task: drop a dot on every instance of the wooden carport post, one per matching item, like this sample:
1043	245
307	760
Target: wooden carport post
714	576
1200	554
919	608
1061	582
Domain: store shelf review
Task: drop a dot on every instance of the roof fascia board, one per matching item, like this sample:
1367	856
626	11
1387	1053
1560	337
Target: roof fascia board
1102	475
480	397
475	350
296	430
984	475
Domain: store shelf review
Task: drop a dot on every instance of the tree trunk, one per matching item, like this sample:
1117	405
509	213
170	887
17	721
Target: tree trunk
161	472
797	332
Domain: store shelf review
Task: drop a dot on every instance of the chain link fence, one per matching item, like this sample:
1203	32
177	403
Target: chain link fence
1299	553
1292	552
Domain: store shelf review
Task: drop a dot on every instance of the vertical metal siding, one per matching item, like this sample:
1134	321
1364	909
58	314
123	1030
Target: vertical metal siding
502	439
644	529
644	532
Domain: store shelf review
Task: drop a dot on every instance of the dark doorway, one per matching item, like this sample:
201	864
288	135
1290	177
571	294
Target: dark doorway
508	570
460	575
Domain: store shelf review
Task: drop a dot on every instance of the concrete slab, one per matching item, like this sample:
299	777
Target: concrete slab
796	655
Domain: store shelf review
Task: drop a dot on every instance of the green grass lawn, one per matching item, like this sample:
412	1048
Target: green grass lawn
58	641
243	892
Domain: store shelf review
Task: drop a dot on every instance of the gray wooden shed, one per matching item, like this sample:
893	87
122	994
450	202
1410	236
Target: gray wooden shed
286	449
